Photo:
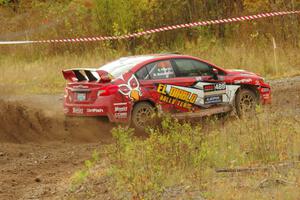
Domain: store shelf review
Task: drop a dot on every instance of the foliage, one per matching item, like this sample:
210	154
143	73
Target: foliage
4	2
72	18
182	154
145	166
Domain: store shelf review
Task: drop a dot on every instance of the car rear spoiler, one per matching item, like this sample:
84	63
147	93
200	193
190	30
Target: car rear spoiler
90	75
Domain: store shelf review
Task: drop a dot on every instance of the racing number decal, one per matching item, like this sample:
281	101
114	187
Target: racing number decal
220	86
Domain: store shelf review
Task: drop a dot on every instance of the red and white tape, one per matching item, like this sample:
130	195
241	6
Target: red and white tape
162	29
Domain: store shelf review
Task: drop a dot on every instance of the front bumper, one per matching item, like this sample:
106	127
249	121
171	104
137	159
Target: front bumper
265	95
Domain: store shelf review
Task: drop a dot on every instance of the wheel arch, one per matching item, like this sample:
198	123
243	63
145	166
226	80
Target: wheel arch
252	88
146	101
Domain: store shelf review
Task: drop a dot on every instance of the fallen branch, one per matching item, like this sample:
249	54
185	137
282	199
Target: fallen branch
253	169
248	169
274	181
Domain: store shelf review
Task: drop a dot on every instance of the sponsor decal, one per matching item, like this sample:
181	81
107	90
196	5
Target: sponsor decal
200	94
177	93
213	99
121	115
121	109
131	89
95	110
176	96
77	110
170	100
247	80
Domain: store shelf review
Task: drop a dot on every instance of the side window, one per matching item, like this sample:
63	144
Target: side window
160	70
190	67
156	70
142	74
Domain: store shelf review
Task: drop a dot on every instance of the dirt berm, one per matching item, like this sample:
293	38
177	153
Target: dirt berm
23	121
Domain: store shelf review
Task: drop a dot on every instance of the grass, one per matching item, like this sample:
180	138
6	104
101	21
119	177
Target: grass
180	159
26	69
41	74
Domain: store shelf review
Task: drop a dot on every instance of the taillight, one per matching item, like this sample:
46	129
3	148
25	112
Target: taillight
108	90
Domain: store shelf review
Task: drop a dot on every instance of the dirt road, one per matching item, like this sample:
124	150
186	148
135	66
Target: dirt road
40	149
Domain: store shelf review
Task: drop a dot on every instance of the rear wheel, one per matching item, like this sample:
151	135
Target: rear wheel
142	115
246	102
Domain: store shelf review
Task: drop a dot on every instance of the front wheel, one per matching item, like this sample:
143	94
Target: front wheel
246	102
142	115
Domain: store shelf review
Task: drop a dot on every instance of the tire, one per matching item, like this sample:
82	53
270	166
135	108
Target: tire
245	103
142	115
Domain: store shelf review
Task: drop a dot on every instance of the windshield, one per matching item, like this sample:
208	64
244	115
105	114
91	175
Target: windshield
122	65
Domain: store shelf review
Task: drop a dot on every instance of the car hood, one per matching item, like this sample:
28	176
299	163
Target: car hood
241	72
238	76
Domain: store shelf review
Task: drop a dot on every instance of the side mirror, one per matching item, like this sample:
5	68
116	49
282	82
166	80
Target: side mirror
215	73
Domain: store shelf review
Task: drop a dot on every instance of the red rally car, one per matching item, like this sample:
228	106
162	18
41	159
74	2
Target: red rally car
131	89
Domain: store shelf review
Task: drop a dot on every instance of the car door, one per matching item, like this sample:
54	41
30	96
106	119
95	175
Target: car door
209	86
156	78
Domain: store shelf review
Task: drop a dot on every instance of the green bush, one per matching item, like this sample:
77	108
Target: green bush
146	167
181	154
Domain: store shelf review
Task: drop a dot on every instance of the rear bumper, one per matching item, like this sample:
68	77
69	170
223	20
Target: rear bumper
84	110
104	106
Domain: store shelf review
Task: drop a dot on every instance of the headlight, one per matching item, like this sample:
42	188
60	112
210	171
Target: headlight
265	90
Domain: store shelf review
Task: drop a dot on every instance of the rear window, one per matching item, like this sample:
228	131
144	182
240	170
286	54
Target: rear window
123	65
